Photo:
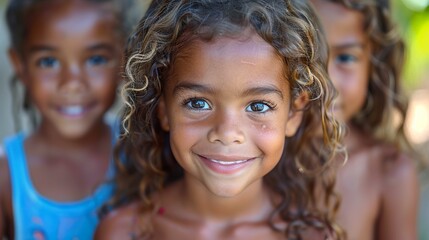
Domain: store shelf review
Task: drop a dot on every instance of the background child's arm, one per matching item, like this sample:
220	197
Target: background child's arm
5	194
398	219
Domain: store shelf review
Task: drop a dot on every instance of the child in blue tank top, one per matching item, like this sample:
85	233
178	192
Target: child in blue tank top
68	55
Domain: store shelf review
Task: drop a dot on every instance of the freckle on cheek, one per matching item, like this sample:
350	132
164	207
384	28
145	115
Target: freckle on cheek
262	127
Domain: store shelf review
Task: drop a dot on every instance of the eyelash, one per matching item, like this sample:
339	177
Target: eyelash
272	106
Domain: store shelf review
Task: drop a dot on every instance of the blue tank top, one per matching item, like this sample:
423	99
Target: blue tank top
36	217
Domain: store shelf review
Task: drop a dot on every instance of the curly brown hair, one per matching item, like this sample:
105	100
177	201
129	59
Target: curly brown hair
145	163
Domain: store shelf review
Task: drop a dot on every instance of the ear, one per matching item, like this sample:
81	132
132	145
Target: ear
295	114
162	114
17	64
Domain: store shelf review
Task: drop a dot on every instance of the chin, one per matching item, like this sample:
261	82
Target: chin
226	191
74	132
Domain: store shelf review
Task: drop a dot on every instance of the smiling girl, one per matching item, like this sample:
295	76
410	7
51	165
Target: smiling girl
227	114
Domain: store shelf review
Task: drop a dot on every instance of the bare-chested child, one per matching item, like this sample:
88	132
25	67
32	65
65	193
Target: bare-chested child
225	102
378	184
68	55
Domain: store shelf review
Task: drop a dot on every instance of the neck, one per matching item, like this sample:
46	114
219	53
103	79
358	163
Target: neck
253	204
355	139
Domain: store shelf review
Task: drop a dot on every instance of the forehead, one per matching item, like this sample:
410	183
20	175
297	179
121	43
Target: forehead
234	63
69	19
341	24
245	49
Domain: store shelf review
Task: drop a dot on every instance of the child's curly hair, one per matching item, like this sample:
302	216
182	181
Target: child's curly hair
290	27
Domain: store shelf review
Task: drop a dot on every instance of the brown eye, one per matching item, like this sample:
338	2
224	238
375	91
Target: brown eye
259	107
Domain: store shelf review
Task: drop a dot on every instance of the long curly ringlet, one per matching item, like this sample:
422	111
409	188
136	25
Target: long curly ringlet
292	29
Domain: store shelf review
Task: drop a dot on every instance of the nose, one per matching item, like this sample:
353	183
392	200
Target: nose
226	129
73	78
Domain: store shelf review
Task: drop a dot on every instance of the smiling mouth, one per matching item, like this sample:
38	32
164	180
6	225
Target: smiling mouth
74	110
228	162
226	166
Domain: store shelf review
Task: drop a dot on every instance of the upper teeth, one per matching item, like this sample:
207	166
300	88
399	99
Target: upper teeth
228	162
73	110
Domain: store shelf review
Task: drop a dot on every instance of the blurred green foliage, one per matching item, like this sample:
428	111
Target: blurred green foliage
414	26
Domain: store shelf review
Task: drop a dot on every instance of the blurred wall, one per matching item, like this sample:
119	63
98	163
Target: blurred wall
6	124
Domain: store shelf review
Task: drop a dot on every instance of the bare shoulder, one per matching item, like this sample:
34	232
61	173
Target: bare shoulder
399	195
397	166
121	223
398	175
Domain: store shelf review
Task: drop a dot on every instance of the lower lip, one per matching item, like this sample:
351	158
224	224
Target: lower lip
225	169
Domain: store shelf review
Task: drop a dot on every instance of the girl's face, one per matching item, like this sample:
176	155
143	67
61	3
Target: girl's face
227	107
70	64
350	53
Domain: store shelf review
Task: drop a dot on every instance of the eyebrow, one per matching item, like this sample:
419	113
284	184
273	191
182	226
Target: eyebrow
38	48
94	47
101	46
263	90
183	86
349	45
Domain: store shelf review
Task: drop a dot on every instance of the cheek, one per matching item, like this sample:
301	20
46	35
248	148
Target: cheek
104	74
104	83
358	87
106	87
41	78
41	87
353	94
182	141
184	135
351	83
269	137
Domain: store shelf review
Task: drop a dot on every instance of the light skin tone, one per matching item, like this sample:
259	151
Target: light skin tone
227	107
69	63
379	189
